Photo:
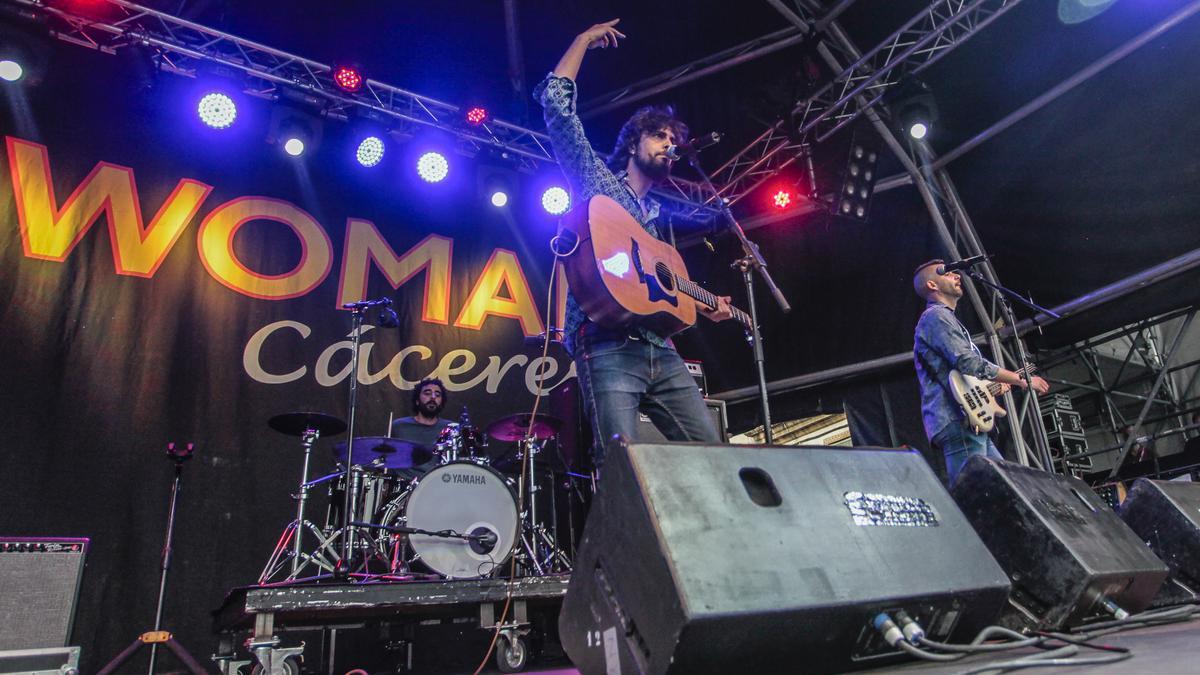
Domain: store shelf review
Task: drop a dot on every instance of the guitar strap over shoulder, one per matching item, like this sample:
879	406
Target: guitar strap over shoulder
933	373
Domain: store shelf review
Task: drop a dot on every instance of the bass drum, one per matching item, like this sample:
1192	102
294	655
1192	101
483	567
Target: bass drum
465	498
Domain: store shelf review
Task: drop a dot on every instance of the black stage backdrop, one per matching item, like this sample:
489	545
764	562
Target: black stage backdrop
163	283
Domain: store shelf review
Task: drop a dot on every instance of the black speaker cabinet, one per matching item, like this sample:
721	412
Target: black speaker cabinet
39	583
753	559
648	433
1063	547
1166	515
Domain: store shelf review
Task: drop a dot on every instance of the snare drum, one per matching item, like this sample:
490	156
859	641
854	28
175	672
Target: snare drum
465	498
458	442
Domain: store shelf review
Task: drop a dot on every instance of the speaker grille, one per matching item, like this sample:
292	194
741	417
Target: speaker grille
39	584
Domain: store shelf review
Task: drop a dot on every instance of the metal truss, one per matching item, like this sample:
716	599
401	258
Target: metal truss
187	48
1129	373
861	83
695	70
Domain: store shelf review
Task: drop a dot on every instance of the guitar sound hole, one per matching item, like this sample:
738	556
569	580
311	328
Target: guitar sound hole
665	278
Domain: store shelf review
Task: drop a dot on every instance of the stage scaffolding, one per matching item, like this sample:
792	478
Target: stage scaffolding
857	90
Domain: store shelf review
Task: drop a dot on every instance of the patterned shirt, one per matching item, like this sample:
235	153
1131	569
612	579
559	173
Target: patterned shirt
944	344
588	176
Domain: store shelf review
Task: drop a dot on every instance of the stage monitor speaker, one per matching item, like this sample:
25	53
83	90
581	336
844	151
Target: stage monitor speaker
39	584
1166	515
752	559
1063	547
648	433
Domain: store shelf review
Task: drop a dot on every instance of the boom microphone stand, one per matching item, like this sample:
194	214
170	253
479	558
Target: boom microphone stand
1039	435
752	259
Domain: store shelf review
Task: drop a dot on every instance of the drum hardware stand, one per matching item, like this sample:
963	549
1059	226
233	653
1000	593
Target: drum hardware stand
158	636
752	259
295	529
533	535
387	319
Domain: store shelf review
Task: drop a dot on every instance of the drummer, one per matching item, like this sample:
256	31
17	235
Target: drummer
424	427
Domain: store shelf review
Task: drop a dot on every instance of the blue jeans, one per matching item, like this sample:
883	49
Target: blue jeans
620	376
958	443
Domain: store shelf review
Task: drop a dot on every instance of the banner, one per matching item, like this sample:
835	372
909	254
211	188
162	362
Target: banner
163	285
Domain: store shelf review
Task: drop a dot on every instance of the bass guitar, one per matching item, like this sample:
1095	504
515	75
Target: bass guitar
977	398
621	275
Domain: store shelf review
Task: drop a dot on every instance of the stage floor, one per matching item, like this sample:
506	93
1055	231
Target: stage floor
1163	650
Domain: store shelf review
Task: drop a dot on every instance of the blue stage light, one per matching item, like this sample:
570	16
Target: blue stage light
370	151
556	201
10	71
217	110
499	198
432	167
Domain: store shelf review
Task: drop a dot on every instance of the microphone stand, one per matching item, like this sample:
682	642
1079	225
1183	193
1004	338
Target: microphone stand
1039	436
751	260
350	502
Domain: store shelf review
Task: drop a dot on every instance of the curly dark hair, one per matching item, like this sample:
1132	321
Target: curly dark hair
645	121
416	393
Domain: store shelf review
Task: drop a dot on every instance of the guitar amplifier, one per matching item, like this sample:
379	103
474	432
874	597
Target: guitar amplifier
696	370
648	432
39	585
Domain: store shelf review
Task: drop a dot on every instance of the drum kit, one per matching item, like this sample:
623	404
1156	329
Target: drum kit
466	513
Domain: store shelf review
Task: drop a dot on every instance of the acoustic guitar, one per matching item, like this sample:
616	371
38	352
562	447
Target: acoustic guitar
621	275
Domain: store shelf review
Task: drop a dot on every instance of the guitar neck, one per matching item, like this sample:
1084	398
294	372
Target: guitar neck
994	387
706	298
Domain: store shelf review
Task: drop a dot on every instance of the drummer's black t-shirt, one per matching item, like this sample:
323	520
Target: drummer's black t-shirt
426	435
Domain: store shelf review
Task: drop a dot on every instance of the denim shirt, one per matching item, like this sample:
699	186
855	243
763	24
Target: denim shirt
588	176
944	343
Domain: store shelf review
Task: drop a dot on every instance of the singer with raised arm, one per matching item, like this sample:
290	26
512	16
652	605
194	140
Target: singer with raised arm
622	372
941	346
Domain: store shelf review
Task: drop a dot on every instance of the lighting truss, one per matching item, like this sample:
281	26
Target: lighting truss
183	47
860	85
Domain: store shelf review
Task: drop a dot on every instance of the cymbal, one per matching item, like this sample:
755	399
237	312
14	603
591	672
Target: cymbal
395	453
514	427
296	423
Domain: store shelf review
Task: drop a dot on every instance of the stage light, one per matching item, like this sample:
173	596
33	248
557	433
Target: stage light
477	116
782	199
370	151
499	199
10	71
915	109
347	78
858	181
556	201
294	146
217	110
432	167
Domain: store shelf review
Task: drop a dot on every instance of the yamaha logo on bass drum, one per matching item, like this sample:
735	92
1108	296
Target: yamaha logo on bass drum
465	478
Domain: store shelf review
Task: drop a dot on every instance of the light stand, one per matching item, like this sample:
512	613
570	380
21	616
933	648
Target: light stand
1039	436
752	259
158	636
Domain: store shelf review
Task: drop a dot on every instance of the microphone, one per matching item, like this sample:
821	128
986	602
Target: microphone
364	304
693	146
961	264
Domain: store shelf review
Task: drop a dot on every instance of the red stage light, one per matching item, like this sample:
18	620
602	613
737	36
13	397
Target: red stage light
782	199
477	116
347	78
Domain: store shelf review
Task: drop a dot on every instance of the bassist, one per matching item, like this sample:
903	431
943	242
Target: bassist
942	344
622	372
